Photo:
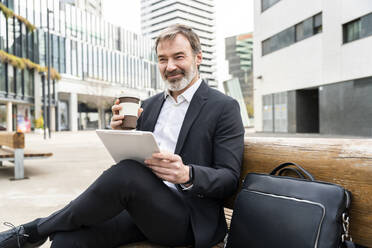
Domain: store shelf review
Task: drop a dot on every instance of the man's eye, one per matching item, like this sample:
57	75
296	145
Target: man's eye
179	57
162	60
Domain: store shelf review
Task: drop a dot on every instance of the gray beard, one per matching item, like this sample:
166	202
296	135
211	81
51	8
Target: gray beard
182	83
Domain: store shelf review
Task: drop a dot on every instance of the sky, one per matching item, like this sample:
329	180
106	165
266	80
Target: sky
232	17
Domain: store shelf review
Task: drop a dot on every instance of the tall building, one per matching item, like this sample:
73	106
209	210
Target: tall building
156	15
312	66
94	62
239	54
93	7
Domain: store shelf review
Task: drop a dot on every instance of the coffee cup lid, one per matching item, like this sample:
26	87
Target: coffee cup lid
129	94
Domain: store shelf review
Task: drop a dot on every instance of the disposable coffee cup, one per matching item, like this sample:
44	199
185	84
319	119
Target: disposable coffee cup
130	103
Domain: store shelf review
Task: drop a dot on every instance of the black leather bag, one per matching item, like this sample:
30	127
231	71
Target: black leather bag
280	211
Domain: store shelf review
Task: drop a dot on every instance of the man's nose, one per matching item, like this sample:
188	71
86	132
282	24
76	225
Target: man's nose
171	66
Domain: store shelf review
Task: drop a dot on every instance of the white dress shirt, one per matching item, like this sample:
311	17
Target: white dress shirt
169	123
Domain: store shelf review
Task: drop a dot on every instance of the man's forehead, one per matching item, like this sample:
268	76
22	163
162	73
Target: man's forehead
179	44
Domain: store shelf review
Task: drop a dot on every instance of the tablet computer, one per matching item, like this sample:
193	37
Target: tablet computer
122	144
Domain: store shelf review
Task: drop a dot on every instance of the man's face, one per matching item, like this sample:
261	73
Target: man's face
178	65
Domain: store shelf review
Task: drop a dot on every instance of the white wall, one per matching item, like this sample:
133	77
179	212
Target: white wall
318	60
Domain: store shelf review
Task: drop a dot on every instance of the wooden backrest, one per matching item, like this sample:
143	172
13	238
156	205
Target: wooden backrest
347	162
12	139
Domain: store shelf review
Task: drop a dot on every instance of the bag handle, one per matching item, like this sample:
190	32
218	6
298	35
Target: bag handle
299	174
281	166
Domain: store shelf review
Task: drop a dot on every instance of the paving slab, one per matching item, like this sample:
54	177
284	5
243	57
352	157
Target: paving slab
78	159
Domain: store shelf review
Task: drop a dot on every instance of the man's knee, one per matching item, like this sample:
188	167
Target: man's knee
130	170
126	174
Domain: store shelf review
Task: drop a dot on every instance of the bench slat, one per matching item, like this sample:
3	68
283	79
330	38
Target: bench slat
12	139
8	153
37	154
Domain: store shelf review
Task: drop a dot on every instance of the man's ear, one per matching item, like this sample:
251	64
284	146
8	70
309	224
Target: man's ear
199	58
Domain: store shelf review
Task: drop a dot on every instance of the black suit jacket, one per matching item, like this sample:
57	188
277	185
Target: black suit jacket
211	140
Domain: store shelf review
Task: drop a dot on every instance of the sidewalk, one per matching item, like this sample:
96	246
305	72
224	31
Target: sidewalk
78	159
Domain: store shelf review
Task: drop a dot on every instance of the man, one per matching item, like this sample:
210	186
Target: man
174	198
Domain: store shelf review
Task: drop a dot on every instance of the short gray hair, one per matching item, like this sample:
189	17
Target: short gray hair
172	31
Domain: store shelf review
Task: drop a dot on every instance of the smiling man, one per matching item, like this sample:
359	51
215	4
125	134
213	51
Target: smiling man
174	198
178	62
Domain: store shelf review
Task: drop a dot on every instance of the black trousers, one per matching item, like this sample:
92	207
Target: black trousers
127	203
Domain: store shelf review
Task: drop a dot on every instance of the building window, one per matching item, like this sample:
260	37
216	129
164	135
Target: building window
2	32
90	61
118	39
62	51
318	23
30	42
18	83
3	115
68	56
278	41
357	29
27	82
74	61
54	40
298	32
11	79
79	59
304	29
2	78
265	4
29	88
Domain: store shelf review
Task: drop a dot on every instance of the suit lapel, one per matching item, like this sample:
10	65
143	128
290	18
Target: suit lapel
196	104
154	113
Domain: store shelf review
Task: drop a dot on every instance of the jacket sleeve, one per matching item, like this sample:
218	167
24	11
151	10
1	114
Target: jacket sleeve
220	180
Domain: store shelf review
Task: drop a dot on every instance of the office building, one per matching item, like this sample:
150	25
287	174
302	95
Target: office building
312	66
95	61
239	54
232	88
156	15
93	7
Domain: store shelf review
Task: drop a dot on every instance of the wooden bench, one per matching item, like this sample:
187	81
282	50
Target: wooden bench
12	149
347	162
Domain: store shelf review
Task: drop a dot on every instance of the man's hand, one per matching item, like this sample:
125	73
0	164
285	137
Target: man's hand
169	167
117	119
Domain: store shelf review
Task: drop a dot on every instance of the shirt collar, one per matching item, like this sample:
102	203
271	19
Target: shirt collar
189	93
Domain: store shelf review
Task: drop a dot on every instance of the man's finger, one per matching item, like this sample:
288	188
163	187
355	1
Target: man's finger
165	155
116	123
117	117
161	170
115	109
158	163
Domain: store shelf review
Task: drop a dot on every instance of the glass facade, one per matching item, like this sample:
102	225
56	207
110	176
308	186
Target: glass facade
2	79
305	29
96	49
82	46
239	54
16	39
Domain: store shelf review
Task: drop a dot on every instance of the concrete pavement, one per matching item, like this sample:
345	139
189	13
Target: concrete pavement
78	159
